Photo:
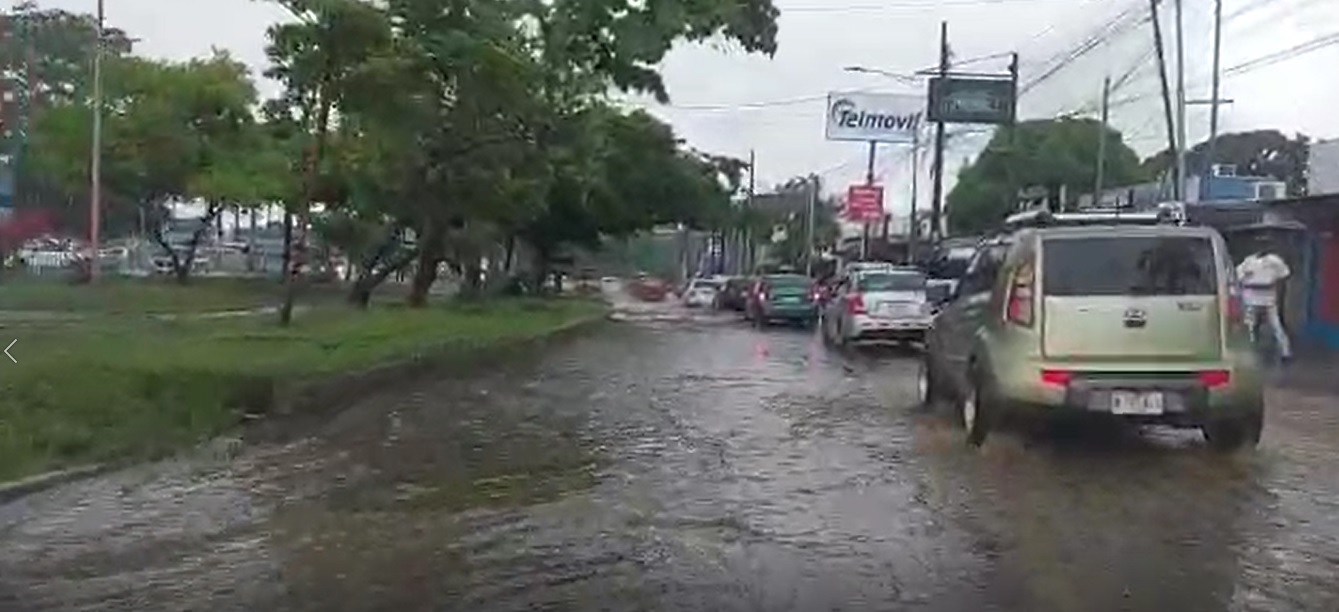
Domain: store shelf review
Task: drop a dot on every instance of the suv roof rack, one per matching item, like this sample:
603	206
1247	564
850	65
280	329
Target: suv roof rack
1167	213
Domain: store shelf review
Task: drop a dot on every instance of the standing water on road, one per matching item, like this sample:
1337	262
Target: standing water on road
691	465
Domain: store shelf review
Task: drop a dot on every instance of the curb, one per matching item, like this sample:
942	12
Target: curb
11	491
320	398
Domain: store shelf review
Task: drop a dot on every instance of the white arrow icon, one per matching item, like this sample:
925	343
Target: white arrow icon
11	345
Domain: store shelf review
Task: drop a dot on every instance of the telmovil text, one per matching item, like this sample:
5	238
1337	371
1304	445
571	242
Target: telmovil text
846	115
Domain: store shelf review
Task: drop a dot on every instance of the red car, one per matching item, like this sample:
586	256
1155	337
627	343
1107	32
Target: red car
650	289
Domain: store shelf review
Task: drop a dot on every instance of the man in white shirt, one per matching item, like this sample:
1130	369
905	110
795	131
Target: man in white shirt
1262	274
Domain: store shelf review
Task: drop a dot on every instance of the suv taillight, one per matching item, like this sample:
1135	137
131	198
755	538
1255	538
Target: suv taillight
1019	303
855	304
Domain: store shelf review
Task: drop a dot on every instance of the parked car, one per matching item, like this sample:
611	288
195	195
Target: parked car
782	297
1125	316
734	294
649	289
880	304
701	293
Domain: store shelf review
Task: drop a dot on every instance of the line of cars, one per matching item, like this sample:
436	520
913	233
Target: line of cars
866	301
1127	316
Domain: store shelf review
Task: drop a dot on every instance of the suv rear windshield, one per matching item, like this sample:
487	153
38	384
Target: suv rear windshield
1129	265
890	281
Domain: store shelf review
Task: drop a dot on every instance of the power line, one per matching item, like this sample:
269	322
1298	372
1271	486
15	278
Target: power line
1283	55
1128	19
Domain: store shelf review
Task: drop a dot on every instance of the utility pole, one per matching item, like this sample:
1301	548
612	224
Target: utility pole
1011	160
937	195
1160	48
869	180
913	228
1217	78
95	166
809	227
1180	101
1102	143
746	255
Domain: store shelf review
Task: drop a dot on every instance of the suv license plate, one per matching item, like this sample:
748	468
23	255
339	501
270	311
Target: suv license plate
1128	402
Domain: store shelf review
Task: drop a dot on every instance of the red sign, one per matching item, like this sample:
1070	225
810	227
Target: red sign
864	203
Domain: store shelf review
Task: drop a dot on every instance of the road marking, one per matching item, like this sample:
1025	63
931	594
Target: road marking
11	345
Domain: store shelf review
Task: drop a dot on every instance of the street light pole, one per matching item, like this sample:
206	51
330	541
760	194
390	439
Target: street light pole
95	169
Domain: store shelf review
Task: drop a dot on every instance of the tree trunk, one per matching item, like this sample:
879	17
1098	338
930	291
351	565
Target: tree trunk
371	277
311	173
425	274
508	261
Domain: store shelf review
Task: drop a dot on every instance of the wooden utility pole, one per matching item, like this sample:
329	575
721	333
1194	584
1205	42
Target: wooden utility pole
1102	143
95	167
1217	82
869	180
937	195
1181	132
1160	48
913	228
746	252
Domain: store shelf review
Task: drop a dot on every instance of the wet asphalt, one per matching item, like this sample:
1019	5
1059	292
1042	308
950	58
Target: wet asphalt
683	461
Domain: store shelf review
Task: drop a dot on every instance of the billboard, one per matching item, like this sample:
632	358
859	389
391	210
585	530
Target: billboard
864	203
972	100
873	117
1322	172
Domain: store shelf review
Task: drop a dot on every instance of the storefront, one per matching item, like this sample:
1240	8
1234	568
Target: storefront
1317	265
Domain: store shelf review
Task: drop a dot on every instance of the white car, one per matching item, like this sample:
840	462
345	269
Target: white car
701	292
889	305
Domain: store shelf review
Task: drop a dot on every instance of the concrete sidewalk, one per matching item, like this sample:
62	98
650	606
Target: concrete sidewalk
1314	373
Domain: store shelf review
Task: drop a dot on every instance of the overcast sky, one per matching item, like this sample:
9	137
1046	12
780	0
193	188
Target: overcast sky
726	102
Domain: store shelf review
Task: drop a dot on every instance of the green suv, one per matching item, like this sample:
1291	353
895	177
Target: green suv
1124	316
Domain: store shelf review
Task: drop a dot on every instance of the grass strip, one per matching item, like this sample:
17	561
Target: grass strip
114	388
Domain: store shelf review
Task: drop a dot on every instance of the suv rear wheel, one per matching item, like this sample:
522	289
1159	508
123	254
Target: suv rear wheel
976	412
928	391
1227	435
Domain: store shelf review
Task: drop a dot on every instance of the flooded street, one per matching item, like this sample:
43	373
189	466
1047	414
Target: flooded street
691	463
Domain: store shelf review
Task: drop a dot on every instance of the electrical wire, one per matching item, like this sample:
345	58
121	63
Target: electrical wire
1284	55
1127	21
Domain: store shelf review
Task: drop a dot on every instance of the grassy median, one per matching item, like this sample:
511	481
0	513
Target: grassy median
110	388
155	295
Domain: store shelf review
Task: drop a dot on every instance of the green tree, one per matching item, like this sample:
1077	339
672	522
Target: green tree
171	131
47	54
1047	153
493	124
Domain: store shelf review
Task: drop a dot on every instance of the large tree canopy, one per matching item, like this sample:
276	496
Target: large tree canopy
425	132
1255	153
1047	153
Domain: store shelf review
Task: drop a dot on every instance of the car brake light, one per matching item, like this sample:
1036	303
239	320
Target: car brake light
1058	378
855	304
1019	305
1215	378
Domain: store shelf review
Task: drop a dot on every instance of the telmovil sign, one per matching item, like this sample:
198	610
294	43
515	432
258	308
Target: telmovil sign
874	117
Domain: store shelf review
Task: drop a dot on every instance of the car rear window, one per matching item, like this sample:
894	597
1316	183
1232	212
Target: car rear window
1129	265
788	281
890	281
